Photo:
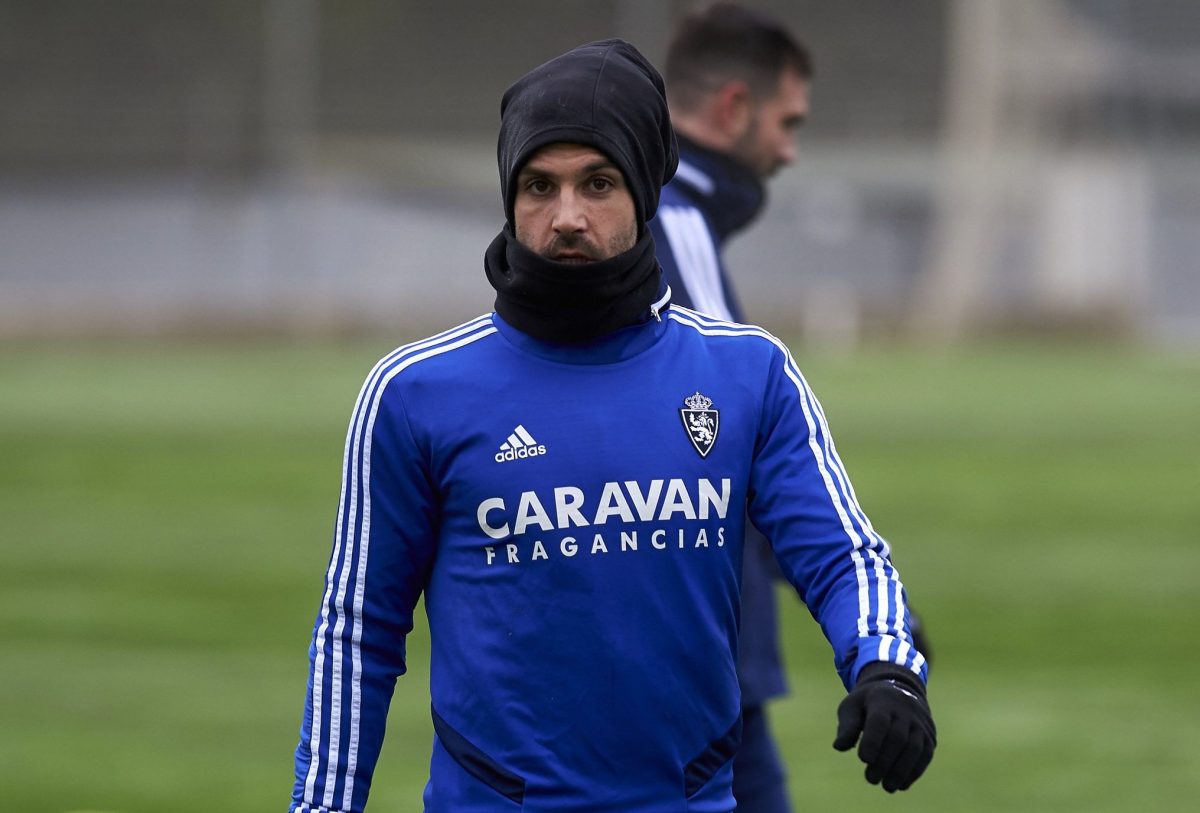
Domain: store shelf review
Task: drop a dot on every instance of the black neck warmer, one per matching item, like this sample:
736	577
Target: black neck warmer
571	303
737	195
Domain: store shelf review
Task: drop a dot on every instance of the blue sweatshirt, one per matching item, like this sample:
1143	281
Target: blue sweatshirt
574	517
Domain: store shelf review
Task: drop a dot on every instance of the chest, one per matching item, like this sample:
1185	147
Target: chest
572	435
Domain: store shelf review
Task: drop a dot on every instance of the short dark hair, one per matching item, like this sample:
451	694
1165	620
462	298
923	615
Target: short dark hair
726	41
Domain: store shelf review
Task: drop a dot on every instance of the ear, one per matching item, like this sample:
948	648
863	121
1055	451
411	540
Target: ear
733	107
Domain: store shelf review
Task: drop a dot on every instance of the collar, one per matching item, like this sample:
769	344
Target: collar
729	194
611	348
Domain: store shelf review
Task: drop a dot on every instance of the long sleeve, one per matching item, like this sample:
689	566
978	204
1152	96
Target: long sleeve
802	499
383	549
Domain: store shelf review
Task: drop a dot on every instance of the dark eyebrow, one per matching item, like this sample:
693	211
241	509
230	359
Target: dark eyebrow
603	164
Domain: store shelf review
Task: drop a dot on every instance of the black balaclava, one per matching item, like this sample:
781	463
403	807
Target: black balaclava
607	96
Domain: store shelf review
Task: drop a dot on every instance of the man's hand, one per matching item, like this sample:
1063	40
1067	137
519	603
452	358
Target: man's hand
887	706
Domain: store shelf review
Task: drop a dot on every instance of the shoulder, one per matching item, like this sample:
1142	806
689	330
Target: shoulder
676	194
679	203
676	210
445	353
739	338
682	227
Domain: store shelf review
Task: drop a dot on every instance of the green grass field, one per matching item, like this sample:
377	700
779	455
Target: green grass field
166	517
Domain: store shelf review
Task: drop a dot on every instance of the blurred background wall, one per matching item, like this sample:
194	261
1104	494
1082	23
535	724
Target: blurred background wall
307	166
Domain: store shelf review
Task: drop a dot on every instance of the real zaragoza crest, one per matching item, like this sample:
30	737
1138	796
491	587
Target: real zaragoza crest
701	422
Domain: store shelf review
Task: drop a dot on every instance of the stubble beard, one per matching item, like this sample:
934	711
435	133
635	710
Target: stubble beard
620	242
747	153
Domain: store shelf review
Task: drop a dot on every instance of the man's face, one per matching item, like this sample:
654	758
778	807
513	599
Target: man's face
769	141
573	205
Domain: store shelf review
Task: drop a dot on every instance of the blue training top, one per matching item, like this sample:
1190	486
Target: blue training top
574	517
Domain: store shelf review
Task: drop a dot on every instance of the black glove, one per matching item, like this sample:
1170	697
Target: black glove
887	706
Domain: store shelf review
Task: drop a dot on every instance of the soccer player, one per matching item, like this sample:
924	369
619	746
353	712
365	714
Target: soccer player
738	88
564	481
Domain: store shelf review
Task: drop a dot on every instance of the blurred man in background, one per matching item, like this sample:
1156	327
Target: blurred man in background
738	86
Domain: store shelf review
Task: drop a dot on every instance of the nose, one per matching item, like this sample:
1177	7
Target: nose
569	214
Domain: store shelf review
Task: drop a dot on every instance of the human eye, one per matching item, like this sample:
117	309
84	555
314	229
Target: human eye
537	186
600	183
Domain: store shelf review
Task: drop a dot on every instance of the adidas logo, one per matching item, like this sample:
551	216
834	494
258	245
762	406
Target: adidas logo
520	445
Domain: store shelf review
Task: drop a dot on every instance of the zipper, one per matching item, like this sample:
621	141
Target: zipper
657	307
